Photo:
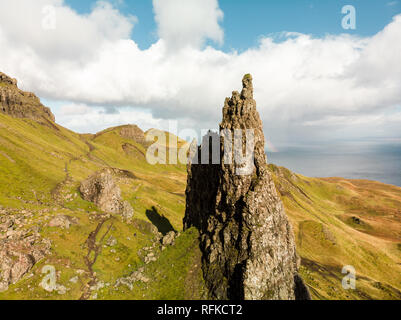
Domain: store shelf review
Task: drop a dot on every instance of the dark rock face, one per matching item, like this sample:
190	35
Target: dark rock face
20	104
246	239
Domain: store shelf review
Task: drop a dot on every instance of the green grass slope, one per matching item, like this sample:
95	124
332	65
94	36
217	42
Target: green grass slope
339	222
41	168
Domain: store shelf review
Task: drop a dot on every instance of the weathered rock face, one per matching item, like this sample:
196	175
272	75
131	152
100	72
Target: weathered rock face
20	104
246	239
20	250
133	132
101	189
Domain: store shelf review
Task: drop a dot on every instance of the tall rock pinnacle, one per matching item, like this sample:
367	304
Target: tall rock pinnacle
246	239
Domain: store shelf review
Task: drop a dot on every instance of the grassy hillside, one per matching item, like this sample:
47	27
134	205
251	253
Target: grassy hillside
337	222
41	168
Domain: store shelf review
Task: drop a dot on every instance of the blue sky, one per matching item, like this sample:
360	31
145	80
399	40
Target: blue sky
245	21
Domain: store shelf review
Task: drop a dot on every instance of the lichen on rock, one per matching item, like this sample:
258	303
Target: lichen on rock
246	239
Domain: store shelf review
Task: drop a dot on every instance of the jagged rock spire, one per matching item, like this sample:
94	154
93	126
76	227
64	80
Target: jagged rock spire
246	239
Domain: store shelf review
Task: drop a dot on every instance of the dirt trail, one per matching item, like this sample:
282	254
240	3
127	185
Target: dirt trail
91	157
57	192
94	249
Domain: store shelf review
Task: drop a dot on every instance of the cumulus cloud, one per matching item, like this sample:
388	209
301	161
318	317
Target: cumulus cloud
300	81
74	109
83	118
189	22
51	30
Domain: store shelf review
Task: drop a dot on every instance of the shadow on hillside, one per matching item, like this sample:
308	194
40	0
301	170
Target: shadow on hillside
162	223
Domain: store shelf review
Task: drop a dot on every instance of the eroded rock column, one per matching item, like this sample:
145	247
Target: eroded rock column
247	241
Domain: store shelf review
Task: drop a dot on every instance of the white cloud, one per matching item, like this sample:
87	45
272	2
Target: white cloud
298	80
75	37
189	22
82	118
73	109
392	3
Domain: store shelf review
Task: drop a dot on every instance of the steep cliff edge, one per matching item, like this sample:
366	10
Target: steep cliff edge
21	104
246	239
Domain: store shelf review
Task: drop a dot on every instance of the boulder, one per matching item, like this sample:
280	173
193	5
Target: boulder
62	221
101	189
168	239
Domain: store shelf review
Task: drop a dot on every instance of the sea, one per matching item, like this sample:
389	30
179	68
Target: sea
371	160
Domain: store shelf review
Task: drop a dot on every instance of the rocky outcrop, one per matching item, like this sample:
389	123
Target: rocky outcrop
133	132
169	238
20	104
101	189
20	250
63	221
136	276
246	239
